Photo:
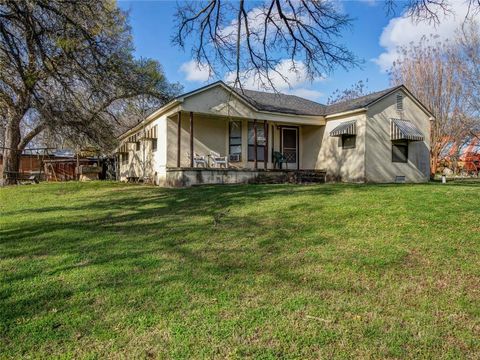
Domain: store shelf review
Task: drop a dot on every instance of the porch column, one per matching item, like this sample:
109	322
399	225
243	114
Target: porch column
255	142
179	137
265	149
191	139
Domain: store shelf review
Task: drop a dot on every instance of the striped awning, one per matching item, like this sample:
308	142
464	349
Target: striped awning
123	149
149	134
404	130
345	128
133	138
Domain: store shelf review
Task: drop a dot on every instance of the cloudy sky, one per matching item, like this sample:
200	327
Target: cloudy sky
374	37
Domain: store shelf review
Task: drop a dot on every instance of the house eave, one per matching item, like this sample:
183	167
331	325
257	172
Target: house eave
150	118
346	113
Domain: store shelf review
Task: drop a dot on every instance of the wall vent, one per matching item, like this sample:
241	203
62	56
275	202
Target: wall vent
400	179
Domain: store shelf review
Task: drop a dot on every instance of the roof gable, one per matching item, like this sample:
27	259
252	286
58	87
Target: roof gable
358	103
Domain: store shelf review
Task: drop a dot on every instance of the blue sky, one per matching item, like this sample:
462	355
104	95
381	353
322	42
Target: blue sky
373	37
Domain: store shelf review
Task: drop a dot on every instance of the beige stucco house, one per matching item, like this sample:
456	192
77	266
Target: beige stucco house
216	134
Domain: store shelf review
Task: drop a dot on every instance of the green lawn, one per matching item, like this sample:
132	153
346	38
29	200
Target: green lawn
260	271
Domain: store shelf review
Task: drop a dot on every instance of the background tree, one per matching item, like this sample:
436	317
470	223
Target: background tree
67	67
468	56
250	40
357	90
436	73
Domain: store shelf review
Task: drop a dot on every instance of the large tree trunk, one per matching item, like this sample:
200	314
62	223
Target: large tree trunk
11	154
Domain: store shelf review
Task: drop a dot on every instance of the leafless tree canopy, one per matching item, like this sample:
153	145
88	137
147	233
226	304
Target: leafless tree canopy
67	66
444	77
357	90
249	39
431	11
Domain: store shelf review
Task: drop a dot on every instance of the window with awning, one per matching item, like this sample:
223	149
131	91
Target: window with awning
345	128
404	130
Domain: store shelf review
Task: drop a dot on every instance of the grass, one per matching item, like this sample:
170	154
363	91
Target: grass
97	270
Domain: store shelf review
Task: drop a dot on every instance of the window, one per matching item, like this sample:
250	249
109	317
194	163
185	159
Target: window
235	139
399	102
125	159
400	151
154	144
137	146
260	142
348	141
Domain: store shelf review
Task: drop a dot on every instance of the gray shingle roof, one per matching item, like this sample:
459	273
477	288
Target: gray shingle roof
357	103
291	104
282	103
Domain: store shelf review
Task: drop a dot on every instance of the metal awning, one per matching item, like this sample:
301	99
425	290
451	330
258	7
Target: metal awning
149	134
123	149
345	128
404	130
132	138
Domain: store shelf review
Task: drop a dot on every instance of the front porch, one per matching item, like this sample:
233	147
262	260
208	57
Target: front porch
196	139
185	177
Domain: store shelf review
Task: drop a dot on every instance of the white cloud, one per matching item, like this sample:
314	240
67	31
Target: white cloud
369	2
402	31
195	71
288	77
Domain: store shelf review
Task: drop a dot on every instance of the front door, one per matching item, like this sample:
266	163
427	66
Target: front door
290	147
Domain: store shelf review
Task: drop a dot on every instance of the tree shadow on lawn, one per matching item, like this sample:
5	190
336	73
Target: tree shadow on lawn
204	240
182	236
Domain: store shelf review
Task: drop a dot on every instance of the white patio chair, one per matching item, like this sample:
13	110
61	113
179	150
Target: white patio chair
199	160
218	160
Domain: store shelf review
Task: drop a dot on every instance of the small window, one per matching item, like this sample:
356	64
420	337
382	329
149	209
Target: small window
125	159
399	102
137	146
400	151
261	141
154	144
235	140
348	141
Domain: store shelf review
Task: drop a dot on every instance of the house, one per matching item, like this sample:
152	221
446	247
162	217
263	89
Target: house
217	134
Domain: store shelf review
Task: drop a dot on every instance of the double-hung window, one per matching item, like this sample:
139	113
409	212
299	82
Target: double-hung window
125	159
348	141
261	141
235	140
400	151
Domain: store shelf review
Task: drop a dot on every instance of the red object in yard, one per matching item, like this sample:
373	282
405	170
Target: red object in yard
64	169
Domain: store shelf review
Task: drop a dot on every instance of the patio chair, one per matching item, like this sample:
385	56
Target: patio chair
279	159
199	160
218	160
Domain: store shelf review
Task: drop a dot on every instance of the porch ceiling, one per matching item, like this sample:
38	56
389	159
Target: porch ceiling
261	116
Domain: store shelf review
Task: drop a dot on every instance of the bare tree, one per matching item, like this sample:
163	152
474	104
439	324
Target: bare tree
431	11
250	39
357	90
468	57
65	66
433	71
